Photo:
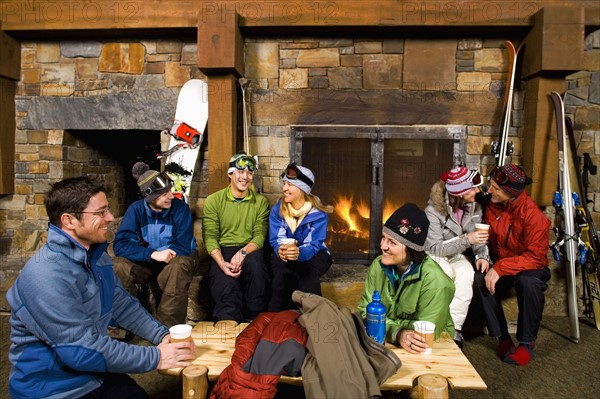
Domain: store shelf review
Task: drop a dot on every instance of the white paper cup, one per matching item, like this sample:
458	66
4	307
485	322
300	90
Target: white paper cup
427	330
482	227
180	332
287	241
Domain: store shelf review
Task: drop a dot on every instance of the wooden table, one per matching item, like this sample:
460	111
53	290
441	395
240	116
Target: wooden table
215	344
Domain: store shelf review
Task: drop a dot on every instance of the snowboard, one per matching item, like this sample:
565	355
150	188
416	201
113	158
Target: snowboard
589	247
187	133
567	237
502	148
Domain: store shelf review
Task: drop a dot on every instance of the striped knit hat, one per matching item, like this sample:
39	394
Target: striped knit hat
460	179
511	178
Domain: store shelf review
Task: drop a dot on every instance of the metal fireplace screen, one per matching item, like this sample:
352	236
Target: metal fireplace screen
366	174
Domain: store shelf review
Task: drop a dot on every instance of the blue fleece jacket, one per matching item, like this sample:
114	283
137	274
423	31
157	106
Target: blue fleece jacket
61	305
310	234
143	231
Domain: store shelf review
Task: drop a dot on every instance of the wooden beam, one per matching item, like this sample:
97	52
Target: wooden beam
220	45
10	57
554	47
7	135
50	15
10	71
540	151
222	122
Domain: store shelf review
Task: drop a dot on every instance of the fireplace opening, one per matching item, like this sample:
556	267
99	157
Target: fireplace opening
367	173
109	156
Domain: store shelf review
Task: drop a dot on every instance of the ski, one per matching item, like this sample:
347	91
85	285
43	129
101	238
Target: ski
589	247
502	148
564	204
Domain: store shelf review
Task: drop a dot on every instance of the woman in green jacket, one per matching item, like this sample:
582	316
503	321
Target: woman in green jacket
413	287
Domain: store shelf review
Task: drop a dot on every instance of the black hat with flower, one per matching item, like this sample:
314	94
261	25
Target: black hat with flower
408	225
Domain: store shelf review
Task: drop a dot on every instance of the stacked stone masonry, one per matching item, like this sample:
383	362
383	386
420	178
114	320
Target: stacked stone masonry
132	84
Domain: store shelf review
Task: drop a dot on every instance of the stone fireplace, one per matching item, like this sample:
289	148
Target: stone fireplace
367	172
78	101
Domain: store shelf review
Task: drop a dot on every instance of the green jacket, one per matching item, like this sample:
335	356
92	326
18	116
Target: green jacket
229	223
424	294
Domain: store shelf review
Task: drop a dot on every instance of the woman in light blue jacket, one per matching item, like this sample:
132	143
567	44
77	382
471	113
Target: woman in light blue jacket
300	216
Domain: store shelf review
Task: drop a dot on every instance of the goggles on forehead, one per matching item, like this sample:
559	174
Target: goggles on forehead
293	173
160	182
499	176
244	163
475	178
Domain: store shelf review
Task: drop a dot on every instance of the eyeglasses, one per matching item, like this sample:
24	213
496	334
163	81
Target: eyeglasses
293	173
102	213
244	163
159	183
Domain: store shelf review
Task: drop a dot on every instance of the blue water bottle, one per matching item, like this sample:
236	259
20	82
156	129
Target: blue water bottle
376	318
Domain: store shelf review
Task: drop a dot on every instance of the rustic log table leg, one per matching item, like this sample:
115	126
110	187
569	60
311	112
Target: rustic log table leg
432	386
195	382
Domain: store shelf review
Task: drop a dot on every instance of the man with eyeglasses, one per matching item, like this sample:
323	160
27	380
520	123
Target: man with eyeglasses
234	229
518	243
155	243
62	304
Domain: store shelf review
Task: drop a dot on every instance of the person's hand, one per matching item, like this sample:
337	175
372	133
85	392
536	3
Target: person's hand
292	252
411	341
491	278
478	237
281	252
237	261
178	354
231	270
482	265
165	256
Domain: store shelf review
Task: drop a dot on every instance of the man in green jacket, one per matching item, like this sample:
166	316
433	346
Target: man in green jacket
413	286
235	224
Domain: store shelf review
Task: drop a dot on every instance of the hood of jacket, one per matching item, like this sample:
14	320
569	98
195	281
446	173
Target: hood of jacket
438	198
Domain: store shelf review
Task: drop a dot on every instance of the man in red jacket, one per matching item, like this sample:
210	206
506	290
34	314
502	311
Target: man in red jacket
518	243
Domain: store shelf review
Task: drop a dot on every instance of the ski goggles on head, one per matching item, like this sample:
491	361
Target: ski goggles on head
242	163
499	176
475	178
161	181
510	179
293	173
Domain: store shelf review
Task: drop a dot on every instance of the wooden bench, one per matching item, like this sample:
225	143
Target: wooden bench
215	344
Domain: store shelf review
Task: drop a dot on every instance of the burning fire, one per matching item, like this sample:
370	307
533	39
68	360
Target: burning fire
354	218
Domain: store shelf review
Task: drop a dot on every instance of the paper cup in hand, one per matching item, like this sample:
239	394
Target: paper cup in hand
180	333
482	227
427	330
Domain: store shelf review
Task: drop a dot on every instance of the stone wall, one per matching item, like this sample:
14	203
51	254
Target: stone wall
133	85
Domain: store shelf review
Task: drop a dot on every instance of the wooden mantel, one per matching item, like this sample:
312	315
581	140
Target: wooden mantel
223	24
49	15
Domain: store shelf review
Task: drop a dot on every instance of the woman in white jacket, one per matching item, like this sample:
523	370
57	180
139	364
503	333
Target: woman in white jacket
453	213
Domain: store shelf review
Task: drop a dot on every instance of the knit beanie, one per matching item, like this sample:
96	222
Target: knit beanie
146	181
460	179
511	178
408	225
299	183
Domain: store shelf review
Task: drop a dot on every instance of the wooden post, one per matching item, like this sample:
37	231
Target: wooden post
195	382
432	386
10	72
